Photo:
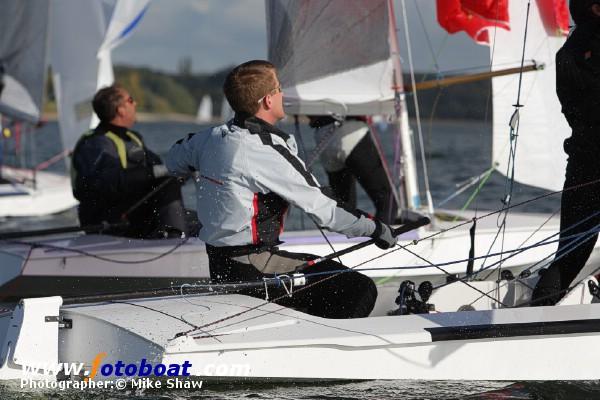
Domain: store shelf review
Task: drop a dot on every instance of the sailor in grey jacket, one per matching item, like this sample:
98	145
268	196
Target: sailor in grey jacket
248	174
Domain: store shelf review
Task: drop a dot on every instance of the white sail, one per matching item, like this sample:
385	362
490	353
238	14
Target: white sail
540	160
126	16
332	56
78	30
22	58
204	114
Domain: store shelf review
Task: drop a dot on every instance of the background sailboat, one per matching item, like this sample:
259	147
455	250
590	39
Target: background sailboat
74	39
205	110
25	189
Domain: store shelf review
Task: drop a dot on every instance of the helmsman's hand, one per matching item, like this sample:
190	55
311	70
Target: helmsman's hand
159	171
384	238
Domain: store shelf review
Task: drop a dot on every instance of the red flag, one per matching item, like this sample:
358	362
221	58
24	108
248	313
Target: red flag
473	17
555	15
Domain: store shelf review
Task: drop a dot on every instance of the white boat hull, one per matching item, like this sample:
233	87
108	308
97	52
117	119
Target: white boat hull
271	342
76	264
20	198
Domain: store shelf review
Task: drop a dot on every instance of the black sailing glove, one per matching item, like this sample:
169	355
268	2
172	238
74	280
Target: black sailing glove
384	239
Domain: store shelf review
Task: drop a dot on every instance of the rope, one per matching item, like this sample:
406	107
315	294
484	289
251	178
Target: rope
582	239
88	254
417	112
462	186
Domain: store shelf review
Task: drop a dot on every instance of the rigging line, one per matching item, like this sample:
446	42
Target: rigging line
514	136
298	317
308	168
247	310
445	230
530	236
579	237
573	246
475	195
464	185
297	132
417	111
88	254
323	143
428	39
155	310
324	237
183	297
449	274
434	107
309	285
165	314
384	163
401	114
246	284
519	250
486	176
567	290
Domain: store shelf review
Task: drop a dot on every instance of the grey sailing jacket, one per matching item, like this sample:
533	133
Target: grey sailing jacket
248	172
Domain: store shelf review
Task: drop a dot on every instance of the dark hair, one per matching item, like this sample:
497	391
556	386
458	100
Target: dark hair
106	101
247	83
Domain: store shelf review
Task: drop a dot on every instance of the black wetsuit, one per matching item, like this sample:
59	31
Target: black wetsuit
106	190
578	89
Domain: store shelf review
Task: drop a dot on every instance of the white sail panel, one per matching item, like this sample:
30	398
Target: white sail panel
205	113
540	160
346	93
23	58
78	29
126	16
332	56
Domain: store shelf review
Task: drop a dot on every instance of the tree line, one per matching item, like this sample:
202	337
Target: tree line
160	92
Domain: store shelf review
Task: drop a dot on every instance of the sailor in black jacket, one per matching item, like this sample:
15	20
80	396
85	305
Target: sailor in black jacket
112	170
578	89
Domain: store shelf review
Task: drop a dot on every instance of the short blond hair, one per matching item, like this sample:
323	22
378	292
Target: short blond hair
247	83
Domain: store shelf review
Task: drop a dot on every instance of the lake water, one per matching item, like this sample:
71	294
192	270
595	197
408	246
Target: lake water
456	151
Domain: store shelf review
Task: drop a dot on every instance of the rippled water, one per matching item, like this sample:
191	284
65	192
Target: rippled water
456	151
368	390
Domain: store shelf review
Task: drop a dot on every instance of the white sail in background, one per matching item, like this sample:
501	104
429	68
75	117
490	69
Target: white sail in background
78	29
204	114
332	56
226	111
540	160
126	16
23	44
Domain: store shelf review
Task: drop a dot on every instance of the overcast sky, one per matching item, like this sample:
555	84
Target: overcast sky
219	33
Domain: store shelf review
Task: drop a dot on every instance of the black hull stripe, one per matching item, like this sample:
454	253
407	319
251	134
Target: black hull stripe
513	330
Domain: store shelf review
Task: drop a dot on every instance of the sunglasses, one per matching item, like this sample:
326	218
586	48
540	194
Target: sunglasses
272	92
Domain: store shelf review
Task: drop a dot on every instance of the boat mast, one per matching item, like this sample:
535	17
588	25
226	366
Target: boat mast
406	168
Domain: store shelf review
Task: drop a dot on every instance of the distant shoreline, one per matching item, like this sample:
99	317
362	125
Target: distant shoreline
141	117
186	118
